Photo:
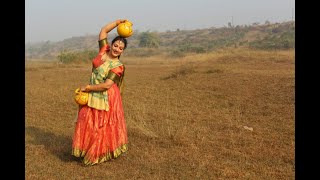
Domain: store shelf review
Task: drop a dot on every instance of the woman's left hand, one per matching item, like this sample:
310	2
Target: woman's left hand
83	88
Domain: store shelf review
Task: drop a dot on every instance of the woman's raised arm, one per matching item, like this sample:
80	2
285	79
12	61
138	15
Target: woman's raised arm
108	27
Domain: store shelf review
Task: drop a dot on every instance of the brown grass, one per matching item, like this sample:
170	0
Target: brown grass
186	118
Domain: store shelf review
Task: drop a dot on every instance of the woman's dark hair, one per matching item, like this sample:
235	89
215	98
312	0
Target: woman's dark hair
122	39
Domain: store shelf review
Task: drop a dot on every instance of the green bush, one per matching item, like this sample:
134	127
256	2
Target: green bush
68	57
149	40
143	52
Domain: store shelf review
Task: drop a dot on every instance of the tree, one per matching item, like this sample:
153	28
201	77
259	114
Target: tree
149	39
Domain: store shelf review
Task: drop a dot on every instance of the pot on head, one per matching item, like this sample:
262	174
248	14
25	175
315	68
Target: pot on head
125	29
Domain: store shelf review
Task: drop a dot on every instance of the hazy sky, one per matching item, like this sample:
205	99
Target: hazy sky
55	20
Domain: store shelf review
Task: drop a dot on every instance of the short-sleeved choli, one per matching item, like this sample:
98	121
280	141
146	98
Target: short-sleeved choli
103	49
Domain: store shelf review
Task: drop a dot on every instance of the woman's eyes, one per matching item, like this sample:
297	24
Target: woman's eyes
117	46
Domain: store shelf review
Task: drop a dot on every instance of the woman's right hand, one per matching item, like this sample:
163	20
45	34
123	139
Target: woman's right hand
108	27
119	21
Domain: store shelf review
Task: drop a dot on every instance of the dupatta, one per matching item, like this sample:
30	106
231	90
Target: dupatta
99	99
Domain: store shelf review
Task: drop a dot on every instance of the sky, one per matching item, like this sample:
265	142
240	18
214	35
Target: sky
56	20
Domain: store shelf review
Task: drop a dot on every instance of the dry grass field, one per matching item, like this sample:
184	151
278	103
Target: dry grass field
228	114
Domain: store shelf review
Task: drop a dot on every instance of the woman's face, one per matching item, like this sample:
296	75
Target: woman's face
117	48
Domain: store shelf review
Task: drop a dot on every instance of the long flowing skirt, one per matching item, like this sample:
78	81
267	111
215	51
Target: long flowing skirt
101	135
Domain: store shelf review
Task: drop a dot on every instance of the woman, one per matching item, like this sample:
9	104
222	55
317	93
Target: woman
100	132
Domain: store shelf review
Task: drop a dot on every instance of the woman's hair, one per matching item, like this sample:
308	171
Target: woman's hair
122	39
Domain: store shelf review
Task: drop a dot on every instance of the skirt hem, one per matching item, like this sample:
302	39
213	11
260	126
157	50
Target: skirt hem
105	157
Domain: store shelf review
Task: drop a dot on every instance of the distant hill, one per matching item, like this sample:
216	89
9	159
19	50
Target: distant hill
262	36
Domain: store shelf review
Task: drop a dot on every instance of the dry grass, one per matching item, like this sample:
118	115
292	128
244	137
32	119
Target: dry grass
186	118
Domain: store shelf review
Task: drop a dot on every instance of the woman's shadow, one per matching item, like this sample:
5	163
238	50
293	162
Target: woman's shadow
58	145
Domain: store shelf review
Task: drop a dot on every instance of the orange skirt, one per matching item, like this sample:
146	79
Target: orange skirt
101	135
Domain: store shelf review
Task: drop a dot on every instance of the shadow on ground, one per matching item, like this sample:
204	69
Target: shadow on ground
58	145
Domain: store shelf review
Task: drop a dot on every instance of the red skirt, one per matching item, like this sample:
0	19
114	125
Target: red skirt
101	135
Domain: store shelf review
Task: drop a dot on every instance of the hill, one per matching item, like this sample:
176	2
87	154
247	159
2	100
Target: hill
265	36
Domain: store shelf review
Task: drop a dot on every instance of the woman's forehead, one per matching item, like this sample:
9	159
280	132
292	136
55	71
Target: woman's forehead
119	43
